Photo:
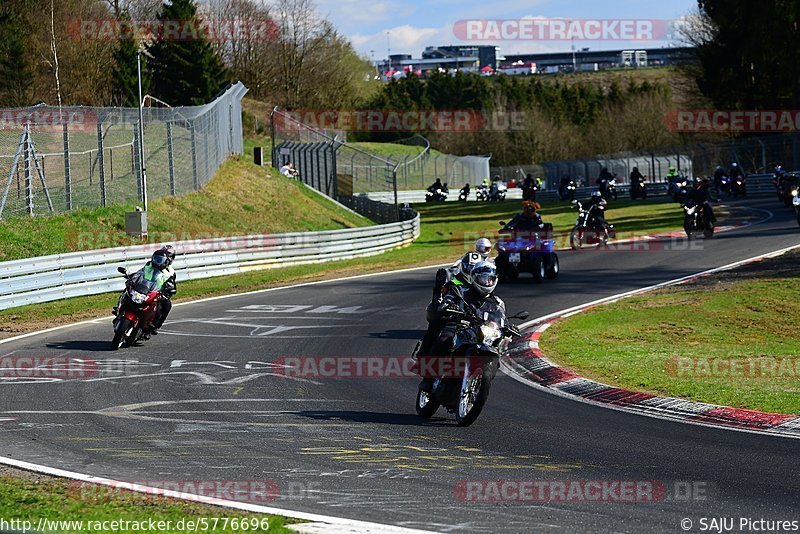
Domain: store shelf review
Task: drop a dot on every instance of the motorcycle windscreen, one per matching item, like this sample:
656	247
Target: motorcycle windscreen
144	286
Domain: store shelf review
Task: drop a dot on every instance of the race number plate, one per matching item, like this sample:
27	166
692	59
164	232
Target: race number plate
513	257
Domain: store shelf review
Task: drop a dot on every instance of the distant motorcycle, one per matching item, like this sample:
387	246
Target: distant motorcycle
464	193
639	189
679	189
796	203
437	195
588	230
609	189
724	186
136	310
694	221
481	193
567	191
497	192
739	187
479	342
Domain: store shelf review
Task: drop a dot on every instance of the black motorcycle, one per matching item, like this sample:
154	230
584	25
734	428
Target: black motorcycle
437	194
589	231
694	220
464	193
784	185
567	191
638	189
464	377
739	187
608	188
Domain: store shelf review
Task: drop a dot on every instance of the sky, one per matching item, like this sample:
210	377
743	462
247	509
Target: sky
415	24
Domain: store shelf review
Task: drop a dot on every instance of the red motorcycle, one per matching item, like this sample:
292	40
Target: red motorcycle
136	310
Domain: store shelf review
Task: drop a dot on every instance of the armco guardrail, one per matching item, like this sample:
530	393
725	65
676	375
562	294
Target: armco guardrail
47	278
756	183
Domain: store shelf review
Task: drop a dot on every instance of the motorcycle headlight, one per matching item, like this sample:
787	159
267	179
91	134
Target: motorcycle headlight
794	192
690	211
796	201
490	333
138	298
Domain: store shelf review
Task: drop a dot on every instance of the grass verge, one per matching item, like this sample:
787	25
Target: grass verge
28	496
728	339
241	199
448	231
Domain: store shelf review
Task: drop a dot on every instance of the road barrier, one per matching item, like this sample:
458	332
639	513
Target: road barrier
59	276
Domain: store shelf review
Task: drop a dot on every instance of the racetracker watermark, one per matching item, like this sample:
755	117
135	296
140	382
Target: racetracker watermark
580	491
738	121
185	242
47	119
239	29
250	491
454	121
767	367
27	368
536	241
381	367
544	29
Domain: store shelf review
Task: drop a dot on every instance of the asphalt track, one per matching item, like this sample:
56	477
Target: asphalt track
203	401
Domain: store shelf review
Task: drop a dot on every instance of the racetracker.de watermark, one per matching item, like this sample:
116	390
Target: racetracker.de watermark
580	491
111	29
250	491
47	119
765	367
454	121
381	367
185	242
555	29
26	368
732	121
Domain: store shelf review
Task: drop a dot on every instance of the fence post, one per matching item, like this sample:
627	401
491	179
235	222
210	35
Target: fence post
101	162
137	161
67	174
396	206
27	173
171	159
194	159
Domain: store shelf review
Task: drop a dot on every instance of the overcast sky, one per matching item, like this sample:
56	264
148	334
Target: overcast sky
415	24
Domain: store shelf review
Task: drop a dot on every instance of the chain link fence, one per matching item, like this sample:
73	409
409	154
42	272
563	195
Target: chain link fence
55	160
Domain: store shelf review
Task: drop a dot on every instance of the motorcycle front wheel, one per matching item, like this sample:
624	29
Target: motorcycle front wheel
473	395
121	327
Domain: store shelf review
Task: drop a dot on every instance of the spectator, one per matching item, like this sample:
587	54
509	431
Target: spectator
289	170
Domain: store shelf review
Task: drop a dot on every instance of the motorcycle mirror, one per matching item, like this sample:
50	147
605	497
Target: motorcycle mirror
502	223
122	270
521	315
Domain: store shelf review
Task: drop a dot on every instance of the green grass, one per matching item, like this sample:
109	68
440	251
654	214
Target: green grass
241	199
29	497
636	343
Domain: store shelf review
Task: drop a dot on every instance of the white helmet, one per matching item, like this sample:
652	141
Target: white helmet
483	247
466	265
484	277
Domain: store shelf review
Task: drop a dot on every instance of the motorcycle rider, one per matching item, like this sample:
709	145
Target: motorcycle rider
701	196
159	268
603	180
636	178
478	295
435	186
453	279
736	171
596	206
528	220
719	173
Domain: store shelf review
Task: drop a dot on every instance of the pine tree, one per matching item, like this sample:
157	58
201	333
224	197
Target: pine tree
16	72
125	91
184	70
